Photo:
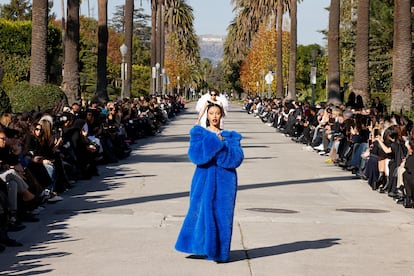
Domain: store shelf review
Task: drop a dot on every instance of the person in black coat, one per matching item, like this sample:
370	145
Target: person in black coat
408	175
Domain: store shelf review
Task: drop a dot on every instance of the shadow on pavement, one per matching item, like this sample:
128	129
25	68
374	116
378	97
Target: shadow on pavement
240	255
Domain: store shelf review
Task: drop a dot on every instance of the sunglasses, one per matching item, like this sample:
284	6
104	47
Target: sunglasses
213	94
3	138
39	129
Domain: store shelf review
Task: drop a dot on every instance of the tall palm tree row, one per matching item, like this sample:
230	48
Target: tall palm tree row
180	33
38	64
360	84
291	93
180	20
334	96
101	93
249	17
71	79
401	91
129	29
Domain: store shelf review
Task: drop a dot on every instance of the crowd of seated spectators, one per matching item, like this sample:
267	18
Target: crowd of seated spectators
44	153
371	143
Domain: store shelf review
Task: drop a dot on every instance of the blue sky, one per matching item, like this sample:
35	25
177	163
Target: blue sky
213	16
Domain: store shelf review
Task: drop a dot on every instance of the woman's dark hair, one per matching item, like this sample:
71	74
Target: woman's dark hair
215	91
210	104
390	133
411	142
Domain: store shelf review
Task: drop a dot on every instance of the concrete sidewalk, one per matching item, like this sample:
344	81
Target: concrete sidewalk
292	215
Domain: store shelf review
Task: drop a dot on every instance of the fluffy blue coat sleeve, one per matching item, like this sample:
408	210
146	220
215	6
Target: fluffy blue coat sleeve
231	155
204	145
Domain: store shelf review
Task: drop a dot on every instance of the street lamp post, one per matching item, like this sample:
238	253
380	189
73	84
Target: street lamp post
263	83
154	76
313	75
269	79
164	81
157	76
123	49
178	85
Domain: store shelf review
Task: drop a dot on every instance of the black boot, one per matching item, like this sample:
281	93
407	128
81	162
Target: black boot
5	240
377	184
14	224
408	202
386	186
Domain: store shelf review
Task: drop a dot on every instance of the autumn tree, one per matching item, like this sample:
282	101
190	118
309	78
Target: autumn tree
262	57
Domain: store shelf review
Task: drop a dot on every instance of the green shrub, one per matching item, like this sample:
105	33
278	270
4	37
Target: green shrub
25	98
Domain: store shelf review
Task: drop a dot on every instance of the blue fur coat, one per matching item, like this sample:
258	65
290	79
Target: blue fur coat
207	228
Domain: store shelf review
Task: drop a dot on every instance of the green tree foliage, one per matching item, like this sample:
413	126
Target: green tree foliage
25	98
140	80
142	30
303	68
381	44
15	39
16	10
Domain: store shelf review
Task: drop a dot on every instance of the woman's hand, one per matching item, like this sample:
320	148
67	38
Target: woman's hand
47	162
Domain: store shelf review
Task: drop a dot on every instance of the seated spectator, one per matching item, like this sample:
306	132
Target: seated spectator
5	240
11	173
39	152
80	151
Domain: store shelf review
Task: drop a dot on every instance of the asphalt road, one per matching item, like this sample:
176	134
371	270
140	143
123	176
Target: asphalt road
295	215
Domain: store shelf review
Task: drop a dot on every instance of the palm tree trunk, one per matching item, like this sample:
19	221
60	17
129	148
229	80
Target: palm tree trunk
279	60
334	96
401	91
129	25
153	38
162	48
38	64
101	85
361	73
293	50
158	38
70	82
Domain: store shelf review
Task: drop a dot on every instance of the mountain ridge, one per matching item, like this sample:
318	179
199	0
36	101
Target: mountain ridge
212	47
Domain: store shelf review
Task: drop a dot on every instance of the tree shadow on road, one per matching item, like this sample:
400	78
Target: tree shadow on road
248	254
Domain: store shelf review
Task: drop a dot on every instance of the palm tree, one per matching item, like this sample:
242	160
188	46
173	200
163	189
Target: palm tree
129	26
180	20
38	64
101	93
361	74
334	96
279	52
401	92
293	50
252	14
156	35
70	82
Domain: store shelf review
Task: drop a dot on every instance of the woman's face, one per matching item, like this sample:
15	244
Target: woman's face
214	115
213	95
38	130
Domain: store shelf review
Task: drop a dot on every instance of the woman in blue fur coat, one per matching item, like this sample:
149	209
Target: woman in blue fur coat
207	228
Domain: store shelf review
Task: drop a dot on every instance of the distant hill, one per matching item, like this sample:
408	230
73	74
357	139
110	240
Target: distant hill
211	47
